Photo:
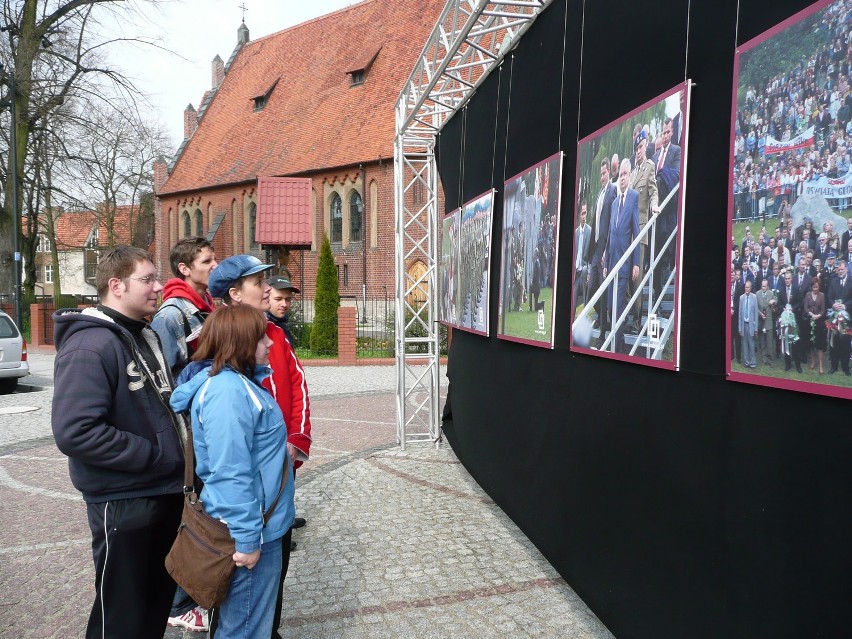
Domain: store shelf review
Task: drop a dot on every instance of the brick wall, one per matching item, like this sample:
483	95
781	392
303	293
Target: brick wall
231	237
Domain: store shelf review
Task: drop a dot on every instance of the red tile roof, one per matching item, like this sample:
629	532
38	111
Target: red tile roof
284	212
73	227
313	119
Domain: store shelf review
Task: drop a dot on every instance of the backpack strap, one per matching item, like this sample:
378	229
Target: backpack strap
185	313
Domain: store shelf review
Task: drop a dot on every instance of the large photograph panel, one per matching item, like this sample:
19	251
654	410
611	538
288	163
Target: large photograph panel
474	263
448	308
790	205
628	221
529	253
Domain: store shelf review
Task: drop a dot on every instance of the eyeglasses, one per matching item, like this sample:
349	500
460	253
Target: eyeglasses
148	280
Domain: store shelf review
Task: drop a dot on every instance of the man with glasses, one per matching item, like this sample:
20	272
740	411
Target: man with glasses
123	442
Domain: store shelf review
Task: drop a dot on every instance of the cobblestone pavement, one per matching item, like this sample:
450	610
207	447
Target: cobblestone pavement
398	543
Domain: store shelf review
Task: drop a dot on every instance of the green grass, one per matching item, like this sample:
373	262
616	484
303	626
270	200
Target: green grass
307	353
524	323
807	375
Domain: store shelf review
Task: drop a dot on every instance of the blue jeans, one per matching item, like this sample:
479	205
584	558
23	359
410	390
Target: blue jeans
248	609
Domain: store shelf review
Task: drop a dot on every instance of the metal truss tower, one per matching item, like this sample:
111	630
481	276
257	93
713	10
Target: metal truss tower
470	40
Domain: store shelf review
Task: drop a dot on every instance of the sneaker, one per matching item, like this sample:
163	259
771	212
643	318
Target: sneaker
195	620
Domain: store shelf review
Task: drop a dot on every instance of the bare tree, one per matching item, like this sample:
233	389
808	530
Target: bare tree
51	54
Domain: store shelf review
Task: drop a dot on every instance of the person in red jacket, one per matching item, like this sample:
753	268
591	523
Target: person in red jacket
240	280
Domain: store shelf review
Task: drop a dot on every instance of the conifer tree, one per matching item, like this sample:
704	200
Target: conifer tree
324	330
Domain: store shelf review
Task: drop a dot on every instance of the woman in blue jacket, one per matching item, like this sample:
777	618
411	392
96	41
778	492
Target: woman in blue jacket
241	454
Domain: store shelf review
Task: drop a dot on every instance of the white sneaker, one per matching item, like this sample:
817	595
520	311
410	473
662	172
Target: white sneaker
195	620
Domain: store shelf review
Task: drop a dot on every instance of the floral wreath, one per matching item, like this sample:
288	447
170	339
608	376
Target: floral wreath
838	321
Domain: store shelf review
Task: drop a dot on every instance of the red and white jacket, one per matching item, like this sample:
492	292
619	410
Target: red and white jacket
290	389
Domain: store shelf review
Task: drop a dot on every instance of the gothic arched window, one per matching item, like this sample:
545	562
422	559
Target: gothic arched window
356	213
336	234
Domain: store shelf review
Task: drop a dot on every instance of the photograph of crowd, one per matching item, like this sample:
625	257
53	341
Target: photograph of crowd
474	263
529	253
627	221
790	207
448	308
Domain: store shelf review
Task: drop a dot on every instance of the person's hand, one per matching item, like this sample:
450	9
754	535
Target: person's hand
635	273
246	560
291	452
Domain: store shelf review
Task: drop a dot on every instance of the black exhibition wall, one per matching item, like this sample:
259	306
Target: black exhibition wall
676	504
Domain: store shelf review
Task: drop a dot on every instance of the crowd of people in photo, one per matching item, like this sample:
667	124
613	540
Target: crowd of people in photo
790	296
632	190
473	267
796	127
449	258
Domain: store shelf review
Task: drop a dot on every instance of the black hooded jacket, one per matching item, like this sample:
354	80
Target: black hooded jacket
111	413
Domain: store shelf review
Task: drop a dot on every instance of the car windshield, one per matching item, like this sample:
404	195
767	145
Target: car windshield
7	328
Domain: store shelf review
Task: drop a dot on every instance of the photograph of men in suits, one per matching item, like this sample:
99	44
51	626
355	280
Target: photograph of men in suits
582	240
624	227
602	158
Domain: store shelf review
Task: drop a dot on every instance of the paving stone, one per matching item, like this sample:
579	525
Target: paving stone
399	544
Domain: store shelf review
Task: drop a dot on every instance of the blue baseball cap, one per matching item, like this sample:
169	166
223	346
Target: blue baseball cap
226	274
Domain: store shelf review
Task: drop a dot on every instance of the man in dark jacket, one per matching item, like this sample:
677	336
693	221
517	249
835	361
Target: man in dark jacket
124	444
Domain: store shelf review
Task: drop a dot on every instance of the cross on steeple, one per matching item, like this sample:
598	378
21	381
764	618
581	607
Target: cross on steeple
244	8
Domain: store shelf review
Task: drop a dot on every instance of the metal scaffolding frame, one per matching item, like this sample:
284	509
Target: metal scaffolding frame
470	40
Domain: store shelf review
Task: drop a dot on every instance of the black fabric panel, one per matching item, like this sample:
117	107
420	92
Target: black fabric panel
676	504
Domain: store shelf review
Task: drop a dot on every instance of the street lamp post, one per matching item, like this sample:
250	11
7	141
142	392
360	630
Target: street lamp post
9	80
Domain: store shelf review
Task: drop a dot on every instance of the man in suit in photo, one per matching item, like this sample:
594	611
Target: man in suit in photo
582	240
747	324
802	278
764	272
840	298
766	308
745	275
624	227
847	234
736	342
669	153
789	294
667	163
643	179
600	237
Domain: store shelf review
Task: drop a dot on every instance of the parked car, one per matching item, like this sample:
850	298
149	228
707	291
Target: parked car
13	355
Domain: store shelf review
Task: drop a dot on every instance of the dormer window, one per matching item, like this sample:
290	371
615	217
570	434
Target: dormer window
261	99
358	73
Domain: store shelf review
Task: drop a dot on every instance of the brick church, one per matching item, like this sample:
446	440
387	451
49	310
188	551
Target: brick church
313	104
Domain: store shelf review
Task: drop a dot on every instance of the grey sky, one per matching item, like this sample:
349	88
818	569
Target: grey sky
198	30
